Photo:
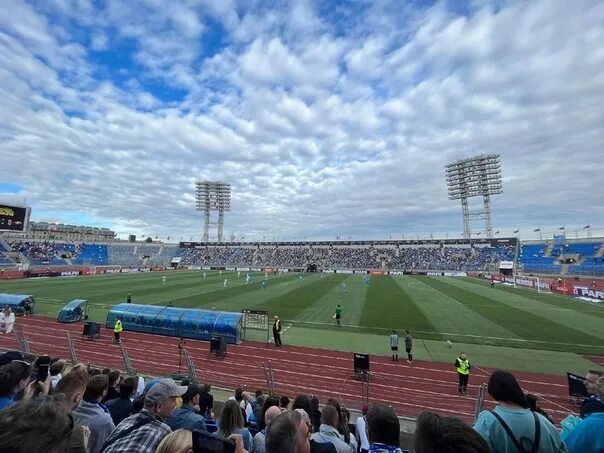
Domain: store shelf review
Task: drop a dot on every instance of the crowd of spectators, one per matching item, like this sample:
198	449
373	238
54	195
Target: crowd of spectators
89	410
419	257
432	257
46	252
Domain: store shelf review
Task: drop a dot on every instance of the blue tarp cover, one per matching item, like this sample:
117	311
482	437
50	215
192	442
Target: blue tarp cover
177	322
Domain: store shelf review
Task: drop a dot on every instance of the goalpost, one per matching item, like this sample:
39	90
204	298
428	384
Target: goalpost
533	282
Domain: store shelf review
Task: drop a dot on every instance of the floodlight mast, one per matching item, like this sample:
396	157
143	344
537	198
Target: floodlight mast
474	177
213	196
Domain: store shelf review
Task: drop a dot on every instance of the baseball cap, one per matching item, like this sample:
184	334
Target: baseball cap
9	356
165	389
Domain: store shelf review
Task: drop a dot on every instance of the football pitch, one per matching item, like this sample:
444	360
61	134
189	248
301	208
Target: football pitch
499	327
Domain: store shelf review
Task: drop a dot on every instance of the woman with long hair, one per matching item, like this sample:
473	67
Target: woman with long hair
231	422
512	427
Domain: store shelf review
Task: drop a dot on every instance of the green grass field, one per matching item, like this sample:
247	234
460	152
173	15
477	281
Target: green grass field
502	326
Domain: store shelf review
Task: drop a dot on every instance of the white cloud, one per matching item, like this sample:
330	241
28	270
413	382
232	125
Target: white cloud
323	128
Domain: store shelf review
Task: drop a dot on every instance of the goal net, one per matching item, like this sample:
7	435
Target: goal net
255	320
96	270
541	285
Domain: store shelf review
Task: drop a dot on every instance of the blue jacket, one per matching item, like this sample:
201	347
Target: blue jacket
7	401
185	417
588	436
119	409
96	417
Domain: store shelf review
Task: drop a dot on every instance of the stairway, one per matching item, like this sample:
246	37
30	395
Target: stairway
5	244
564	269
600	251
549	249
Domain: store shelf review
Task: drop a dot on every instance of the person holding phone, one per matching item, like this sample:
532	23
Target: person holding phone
16	377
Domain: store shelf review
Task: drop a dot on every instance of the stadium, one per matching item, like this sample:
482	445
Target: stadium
398	259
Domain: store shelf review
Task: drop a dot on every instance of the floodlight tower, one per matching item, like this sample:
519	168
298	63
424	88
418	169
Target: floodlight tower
474	177
213	196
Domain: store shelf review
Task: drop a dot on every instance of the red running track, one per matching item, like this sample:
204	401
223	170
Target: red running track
411	389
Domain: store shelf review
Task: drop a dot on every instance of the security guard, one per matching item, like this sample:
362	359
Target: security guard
117	329
129	298
462	364
277	331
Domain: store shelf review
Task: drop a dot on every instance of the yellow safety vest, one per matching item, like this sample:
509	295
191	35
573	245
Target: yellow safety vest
118	327
464	366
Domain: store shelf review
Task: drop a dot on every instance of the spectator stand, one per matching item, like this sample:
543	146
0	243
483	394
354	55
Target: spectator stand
191	367
130	370
482	391
270	379
71	347
22	340
258	320
74	311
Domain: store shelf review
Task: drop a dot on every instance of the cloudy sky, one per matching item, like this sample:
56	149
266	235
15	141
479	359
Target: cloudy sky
329	118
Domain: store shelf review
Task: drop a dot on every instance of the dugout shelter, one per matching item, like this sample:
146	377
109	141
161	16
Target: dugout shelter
74	311
17	302
190	323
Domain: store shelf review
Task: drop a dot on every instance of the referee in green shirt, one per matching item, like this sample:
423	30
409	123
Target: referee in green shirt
338	315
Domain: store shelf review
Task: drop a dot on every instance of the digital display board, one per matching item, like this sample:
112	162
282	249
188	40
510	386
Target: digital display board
13	218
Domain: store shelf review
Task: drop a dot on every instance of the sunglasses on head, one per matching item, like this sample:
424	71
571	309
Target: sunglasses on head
21	361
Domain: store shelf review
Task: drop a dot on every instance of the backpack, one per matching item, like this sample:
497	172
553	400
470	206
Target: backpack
524	444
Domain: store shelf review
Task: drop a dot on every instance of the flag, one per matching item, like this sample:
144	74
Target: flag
587	227
517	231
497	232
478	234
561	228
191	238
155	236
536	229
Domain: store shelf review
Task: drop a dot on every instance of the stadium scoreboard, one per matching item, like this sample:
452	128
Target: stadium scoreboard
13	218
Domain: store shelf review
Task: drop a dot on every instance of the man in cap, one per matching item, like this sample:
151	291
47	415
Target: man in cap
142	432
186	416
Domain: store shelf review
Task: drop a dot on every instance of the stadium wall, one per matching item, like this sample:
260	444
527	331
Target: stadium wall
583	289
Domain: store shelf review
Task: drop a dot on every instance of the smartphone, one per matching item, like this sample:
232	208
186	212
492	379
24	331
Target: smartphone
40	369
207	443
